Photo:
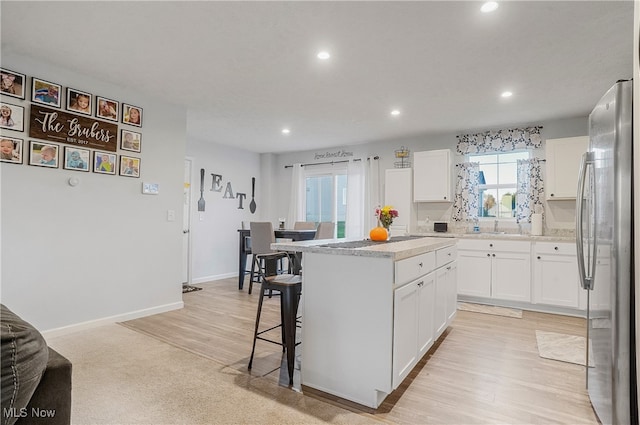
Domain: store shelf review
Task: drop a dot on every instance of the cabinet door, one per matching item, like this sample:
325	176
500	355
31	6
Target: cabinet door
474	273
405	331
426	305
511	276
452	291
556	280
432	176
397	193
563	163
440	309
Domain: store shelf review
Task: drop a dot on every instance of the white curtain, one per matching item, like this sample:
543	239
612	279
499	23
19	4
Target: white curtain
373	198
530	192
356	196
296	203
465	202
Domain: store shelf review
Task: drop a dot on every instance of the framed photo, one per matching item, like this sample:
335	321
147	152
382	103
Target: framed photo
10	150
12	83
129	166
76	158
43	154
132	115
104	162
130	141
107	109
79	101
46	92
11	117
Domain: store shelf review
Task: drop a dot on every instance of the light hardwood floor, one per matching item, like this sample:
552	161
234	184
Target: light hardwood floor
485	369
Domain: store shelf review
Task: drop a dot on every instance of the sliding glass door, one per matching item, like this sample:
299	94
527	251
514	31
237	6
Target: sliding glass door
326	197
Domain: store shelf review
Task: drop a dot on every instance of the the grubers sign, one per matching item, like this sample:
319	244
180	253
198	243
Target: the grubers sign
63	127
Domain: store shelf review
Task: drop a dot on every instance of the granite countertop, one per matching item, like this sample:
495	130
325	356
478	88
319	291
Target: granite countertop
396	250
507	236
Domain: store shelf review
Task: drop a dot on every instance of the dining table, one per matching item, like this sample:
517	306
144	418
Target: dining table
244	246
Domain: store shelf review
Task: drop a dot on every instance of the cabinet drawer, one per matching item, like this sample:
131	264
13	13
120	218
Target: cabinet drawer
413	267
494	245
561	248
445	255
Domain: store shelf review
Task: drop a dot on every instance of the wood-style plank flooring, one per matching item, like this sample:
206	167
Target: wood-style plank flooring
484	370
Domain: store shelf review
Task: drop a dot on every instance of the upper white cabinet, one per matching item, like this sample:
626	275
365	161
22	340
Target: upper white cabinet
563	163
397	193
432	176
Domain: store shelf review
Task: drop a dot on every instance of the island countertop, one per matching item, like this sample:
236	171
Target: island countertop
395	249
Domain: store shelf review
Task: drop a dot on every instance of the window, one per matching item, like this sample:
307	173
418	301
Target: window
326	198
498	183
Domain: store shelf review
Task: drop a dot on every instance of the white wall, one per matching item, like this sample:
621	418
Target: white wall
214	232
100	250
560	214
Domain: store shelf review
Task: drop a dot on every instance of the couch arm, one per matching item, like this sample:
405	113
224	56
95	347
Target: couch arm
51	401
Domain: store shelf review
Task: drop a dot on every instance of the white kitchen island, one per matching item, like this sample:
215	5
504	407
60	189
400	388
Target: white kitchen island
370	313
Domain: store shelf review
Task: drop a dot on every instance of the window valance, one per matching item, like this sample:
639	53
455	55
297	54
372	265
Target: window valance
500	140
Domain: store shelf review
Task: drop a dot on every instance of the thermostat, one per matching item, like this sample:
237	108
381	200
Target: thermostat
150	188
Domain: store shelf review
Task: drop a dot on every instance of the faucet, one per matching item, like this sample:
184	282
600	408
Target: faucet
495	226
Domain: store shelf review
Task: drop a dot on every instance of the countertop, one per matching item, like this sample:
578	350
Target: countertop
394	250
506	236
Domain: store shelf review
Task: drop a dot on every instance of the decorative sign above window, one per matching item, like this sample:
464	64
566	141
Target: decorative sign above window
337	154
63	127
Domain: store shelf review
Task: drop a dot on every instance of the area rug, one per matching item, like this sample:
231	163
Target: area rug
189	288
562	347
491	309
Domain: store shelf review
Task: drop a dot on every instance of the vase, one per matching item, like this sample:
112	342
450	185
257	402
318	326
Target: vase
388	232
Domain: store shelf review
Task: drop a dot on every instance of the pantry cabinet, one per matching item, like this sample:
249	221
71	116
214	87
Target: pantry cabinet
563	163
432	176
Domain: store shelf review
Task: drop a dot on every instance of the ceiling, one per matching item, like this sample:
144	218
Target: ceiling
245	70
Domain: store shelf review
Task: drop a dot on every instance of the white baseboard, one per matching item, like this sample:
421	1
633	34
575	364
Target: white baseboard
213	277
111	319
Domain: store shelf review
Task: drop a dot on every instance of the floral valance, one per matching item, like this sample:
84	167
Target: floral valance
500	140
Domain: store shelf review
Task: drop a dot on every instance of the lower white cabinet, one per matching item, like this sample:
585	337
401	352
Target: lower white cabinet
555	276
446	296
495	269
413	325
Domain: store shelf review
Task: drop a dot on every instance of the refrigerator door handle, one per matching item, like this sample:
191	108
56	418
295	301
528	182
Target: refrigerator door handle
586	280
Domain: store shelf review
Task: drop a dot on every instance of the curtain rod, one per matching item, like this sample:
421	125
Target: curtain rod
330	162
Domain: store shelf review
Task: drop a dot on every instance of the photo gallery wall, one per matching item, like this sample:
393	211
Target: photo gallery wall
82	121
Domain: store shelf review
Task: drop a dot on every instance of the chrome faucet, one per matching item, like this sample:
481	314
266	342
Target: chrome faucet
495	226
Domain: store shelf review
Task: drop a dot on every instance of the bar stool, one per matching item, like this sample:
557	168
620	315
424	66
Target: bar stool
289	287
264	258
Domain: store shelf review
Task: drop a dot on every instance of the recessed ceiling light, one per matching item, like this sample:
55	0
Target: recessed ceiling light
324	55
286	131
489	6
395	112
506	94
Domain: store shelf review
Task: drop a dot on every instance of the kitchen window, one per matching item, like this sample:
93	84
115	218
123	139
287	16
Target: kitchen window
497	183
326	198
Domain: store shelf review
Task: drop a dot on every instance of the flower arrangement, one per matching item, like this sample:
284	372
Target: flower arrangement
386	215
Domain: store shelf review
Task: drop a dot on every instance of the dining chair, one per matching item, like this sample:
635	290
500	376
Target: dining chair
304	225
262	237
325	230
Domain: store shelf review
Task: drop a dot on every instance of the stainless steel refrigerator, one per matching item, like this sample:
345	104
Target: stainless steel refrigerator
604	238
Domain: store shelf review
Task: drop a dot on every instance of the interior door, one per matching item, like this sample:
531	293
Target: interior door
186	224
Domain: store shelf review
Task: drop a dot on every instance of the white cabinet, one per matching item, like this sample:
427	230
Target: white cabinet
495	269
397	193
413	325
555	276
563	163
446	296
432	176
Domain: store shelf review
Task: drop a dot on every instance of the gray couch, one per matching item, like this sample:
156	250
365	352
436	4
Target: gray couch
36	380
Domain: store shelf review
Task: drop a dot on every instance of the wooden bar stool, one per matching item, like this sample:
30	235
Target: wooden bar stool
289	287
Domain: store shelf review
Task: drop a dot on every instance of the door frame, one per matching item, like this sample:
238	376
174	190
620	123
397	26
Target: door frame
186	220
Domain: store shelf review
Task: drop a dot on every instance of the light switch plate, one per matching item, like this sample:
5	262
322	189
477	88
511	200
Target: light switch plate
150	188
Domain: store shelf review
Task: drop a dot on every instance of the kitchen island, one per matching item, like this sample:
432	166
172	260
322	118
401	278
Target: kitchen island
371	311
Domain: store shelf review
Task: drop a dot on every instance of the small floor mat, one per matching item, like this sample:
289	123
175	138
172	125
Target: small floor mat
562	347
491	309
190	288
